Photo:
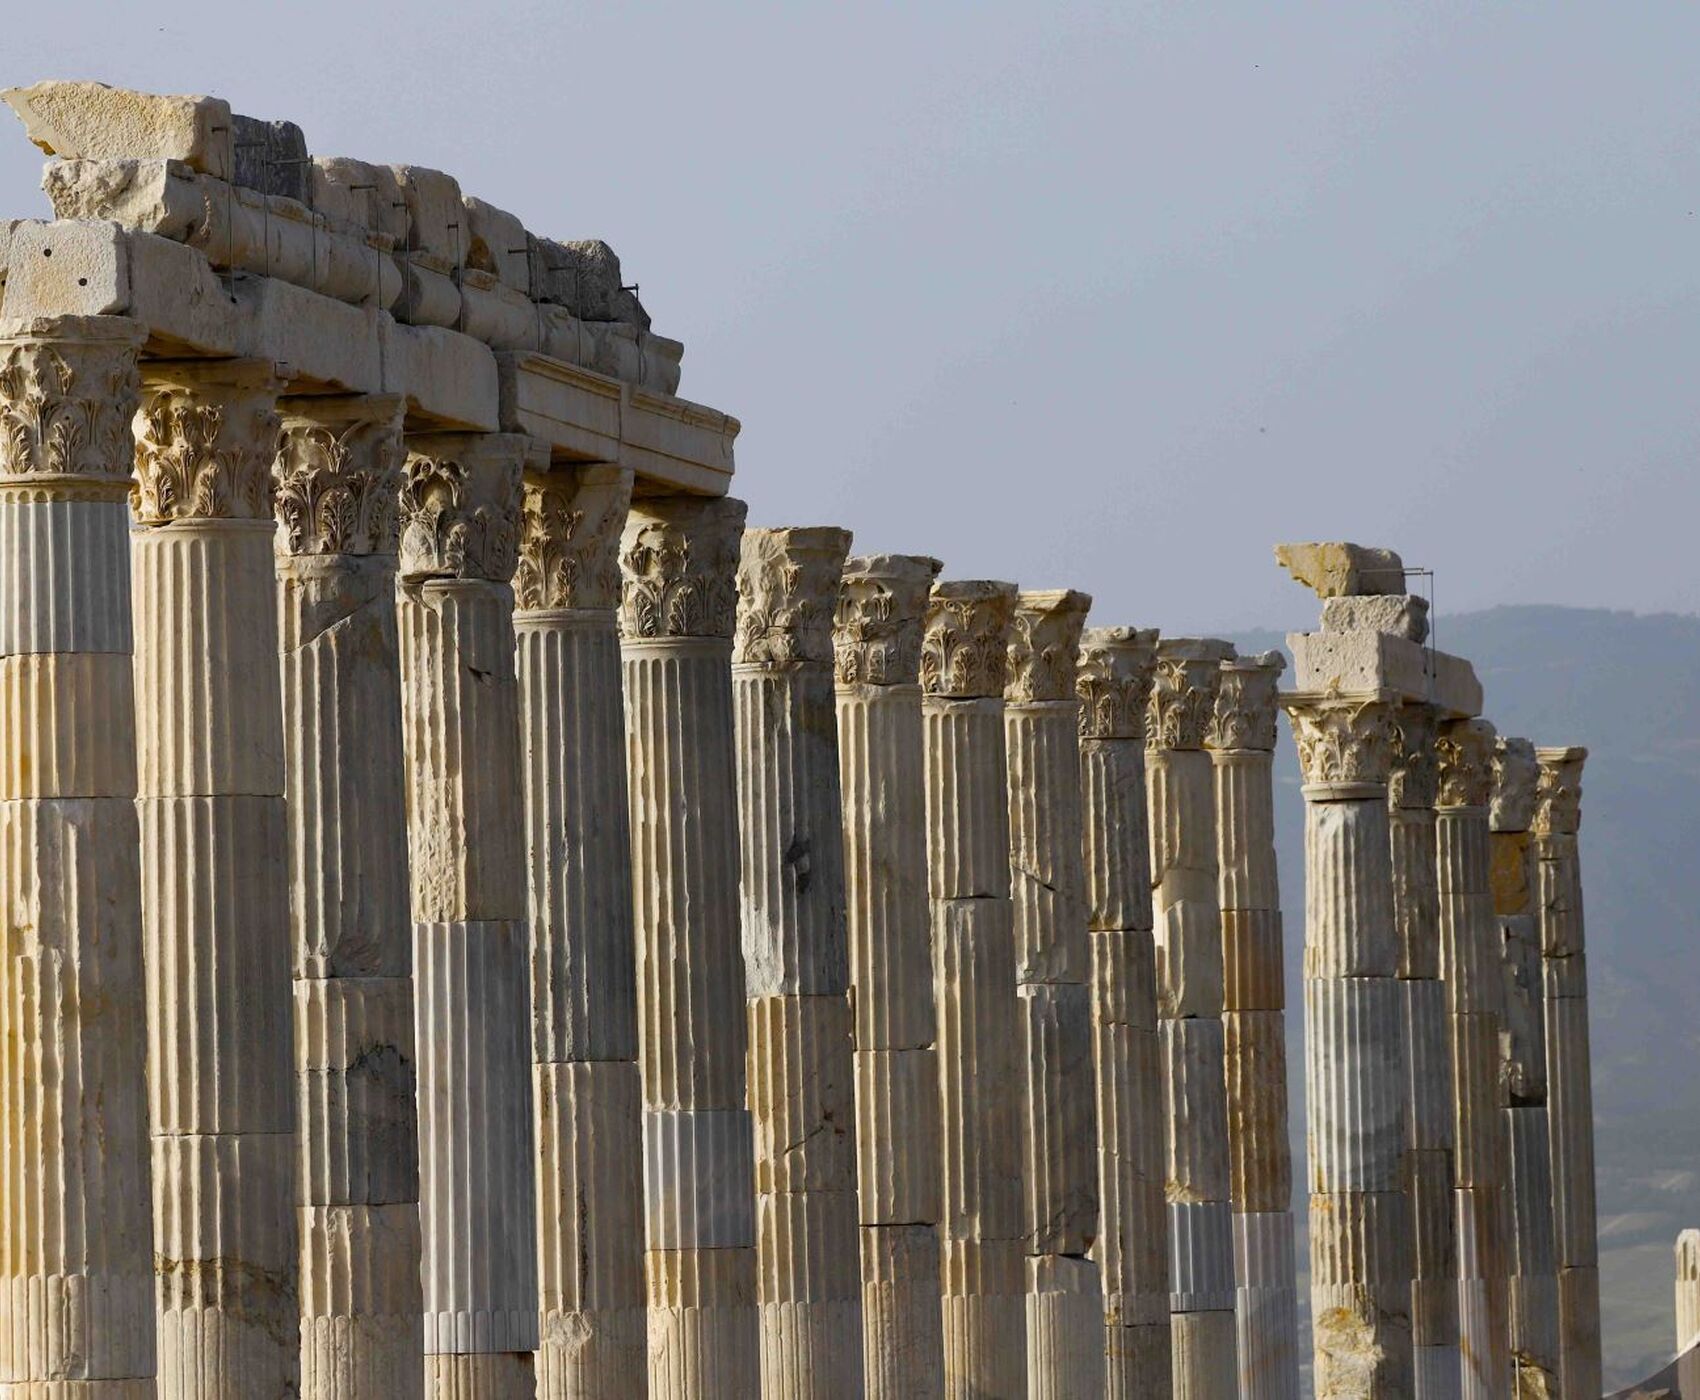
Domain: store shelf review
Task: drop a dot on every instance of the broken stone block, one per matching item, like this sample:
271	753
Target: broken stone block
271	157
363	194
584	277
1335	569
498	244
92	119
436	219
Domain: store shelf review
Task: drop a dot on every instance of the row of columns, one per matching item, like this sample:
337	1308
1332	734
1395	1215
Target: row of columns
719	967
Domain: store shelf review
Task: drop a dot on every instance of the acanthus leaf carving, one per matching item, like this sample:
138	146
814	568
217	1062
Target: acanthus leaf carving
1516	774
68	391
678	569
1044	646
1244	715
787	589
460	511
877	622
339	478
1183	692
206	442
1465	750
1558	792
570	539
1343	740
1415	779
1113	681
965	640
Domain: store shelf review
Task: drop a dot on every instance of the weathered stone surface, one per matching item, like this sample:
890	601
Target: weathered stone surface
75	119
1340	570
1365	662
1403	614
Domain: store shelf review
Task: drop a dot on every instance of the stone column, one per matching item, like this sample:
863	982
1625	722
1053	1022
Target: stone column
1687	1290
1429	1122
1189	1011
1570	1097
1132	1249
878	652
215	894
1053	973
584	1031
1475	1002
76	1246
963	665
1241	741
797	963
460	713
679	557
338	478
1355	1068
1532	1297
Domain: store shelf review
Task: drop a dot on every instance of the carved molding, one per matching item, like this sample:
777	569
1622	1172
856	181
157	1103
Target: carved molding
206	441
1044	646
569	546
678	567
339	476
787	590
1183	692
965	641
460	506
68	390
877	623
1558	792
1465	750
1244	716
1515	776
1344	741
1113	681
1415	780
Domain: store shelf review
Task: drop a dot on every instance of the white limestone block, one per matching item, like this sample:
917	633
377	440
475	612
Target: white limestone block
699	1191
1201	1256
1195	1099
1065	1322
493	312
1205	1365
1428	1051
898	1143
1266	1305
967	819
903	1341
75	119
1370	662
1403	614
1355	1083
64	576
1059	1129
1349	926
985	1319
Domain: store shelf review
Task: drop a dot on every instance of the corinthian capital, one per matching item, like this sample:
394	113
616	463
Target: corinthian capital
1415	782
787	588
68	390
206	439
876	637
1345	742
1465	748
460	505
1044	645
1183	691
1244	717
964	648
339	474
1515	775
1114	681
1558	793
569	542
678	566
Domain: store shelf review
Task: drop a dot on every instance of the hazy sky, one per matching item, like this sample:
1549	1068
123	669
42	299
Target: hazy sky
1105	296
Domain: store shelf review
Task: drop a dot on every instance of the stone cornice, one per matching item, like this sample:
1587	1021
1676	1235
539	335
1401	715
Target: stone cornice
964	647
206	441
1183	691
569	544
460	505
877	623
1044	646
788	581
1515	775
1465	749
339	475
678	566
1558	793
1346	742
1113	681
68	390
1244	716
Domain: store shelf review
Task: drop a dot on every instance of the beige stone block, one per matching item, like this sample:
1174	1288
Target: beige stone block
688	445
1245	831
361	1330
496	314
903	1342
1060	1169
1254	978
1189	958
430	291
967	820
1065	1319
576	411
1124	979
898	1145
1196	1103
1480	1146
435	214
1434	1291
801	1093
83	119
801	1254
611	1357
1338	569
1370	662
479	1376
1431	1119
1403	614
497	243
703	1324
64	575
1139	1359
447	377
984	1314
1349	926
1205	1363
1260	1156
68	269
1579	1330
363	194
1117	842
67	727
1416	892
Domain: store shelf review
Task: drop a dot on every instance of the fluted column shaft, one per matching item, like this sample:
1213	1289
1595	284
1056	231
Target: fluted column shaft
1532	1296
1475	999
1260	1167
1053	971
76	1240
587	1089
797	964
338	478
1570	1099
1132	1248
877	642
1189	1010
1429	1174
678	558
963	664
460	710
215	892
1355	1065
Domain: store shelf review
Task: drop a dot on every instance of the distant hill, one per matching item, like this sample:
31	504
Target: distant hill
1627	686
